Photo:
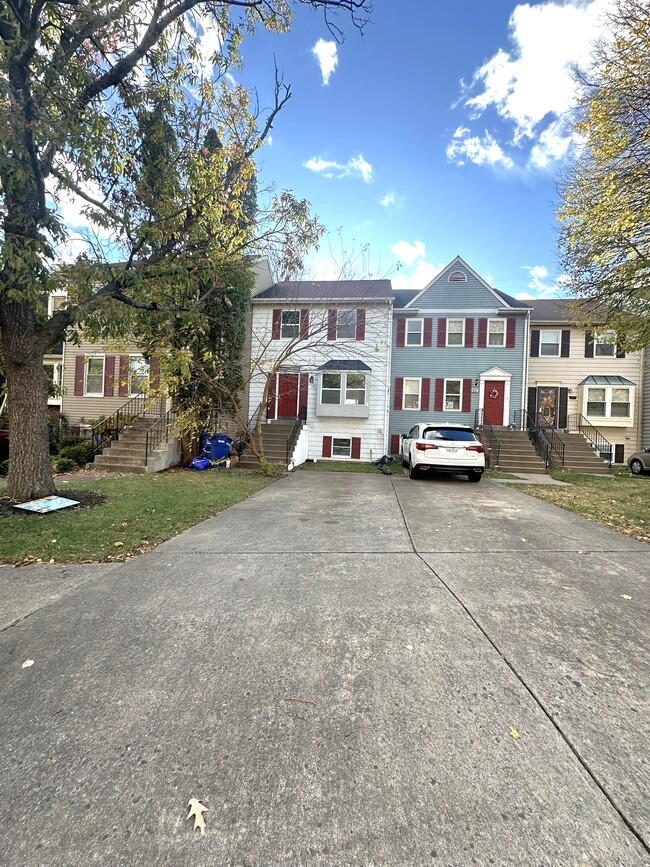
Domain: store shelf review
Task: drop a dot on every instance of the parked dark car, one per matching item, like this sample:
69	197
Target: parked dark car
639	462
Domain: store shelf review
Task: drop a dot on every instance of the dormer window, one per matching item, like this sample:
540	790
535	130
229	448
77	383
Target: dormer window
457	277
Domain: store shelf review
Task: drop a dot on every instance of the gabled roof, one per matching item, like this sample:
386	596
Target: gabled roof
507	300
344	364
328	290
403	296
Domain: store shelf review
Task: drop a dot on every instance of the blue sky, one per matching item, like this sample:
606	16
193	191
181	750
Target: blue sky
439	131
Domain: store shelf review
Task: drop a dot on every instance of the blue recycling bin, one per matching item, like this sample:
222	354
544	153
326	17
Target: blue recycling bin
219	447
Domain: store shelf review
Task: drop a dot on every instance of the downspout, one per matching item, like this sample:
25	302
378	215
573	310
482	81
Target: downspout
389	362
524	384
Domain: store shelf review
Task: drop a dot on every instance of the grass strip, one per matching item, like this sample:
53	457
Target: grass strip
140	511
620	502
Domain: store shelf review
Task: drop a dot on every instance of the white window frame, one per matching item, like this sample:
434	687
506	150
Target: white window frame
502	334
344	387
352	314
462	333
404	393
86	364
608	389
51	300
460	395
289	325
342	439
457	277
600	342
420	323
542	342
133	356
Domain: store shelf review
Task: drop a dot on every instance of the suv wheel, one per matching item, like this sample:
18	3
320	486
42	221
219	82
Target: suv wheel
474	477
413	473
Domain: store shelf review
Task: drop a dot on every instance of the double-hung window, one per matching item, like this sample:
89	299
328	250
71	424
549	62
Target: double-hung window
452	394
608	402
355	389
496	335
549	343
414	332
455	332
290	323
346	324
343	388
605	345
411	398
94	376
341	447
331	388
138	375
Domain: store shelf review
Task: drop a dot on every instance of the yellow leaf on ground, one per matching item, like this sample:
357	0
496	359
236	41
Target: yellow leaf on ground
514	734
196	810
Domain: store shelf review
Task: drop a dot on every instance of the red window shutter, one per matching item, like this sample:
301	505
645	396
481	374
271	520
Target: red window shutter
424	395
442	332
482	333
467	395
331	324
355	451
327	447
399	392
123	385
109	375
275	328
154	373
79	365
469	333
270	398
304	324
361	324
439	396
511	329
401	331
394	444
427	337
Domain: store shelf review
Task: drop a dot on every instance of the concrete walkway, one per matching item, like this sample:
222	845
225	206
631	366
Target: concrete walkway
348	670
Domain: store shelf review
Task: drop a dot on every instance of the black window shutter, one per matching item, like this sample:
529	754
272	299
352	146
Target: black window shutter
566	342
562	408
589	344
534	343
532	404
620	353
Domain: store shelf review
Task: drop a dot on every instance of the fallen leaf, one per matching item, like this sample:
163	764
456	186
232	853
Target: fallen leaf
196	809
118	544
514	734
28	663
625	596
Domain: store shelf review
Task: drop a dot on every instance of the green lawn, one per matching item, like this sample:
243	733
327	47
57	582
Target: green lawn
341	467
139	512
620	501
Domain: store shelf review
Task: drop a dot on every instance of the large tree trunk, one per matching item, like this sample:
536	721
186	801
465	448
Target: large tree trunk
30	471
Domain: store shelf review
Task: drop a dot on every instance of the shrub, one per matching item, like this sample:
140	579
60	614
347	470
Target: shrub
80	453
64	465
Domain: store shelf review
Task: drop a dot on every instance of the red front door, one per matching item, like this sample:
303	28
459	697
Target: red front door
494	399
287	395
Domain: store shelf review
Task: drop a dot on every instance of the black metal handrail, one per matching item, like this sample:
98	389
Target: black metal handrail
578	423
158	433
522	420
110	428
552	436
294	432
491	441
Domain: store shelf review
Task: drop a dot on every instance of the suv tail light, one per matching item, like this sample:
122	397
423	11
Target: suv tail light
477	448
422	447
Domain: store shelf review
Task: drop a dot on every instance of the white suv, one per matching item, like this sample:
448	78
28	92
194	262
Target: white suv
430	447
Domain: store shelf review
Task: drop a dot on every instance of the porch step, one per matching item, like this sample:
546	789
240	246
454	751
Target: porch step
580	456
517	453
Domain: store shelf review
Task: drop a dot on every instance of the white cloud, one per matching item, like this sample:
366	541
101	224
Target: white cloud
355	166
408	253
209	40
539	285
325	54
421	276
530	86
389	199
481	151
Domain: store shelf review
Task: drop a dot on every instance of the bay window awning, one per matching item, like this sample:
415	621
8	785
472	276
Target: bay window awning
616	381
344	364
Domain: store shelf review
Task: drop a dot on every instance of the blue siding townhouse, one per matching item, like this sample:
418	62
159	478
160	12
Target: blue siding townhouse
458	346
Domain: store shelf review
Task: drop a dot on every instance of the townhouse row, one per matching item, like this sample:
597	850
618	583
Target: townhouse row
359	364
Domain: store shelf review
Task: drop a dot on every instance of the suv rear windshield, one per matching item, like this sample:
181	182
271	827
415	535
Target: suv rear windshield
449	433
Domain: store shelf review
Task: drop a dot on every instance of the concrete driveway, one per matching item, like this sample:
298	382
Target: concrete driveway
348	670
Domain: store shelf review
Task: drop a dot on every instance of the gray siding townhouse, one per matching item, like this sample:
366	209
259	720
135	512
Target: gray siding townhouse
459	346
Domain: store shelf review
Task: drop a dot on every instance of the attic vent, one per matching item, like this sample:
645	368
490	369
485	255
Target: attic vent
457	277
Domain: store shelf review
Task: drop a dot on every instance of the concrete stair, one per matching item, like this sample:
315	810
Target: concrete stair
275	435
517	453
126	455
580	456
